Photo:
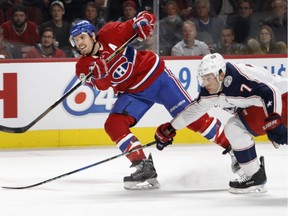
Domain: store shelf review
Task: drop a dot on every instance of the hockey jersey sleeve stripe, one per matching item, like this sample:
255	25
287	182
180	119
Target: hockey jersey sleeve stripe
147	75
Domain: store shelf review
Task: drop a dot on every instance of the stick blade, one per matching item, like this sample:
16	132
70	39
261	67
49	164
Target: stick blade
14	129
7	187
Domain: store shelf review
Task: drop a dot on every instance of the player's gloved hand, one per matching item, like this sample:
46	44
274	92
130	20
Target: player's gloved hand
99	68
275	129
164	135
144	25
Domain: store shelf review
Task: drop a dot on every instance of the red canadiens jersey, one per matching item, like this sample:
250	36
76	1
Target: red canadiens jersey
130	71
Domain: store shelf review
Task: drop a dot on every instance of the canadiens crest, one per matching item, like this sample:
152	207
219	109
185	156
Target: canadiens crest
121	70
227	81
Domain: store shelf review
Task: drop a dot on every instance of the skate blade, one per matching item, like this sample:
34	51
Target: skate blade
276	145
250	190
149	184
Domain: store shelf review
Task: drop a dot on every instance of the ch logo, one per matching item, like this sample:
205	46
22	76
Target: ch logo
121	70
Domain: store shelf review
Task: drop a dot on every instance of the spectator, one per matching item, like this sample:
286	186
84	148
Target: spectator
113	8
266	39
46	47
189	46
170	28
265	42
278	20
227	45
20	31
129	11
91	14
282	47
208	27
253	47
8	50
34	13
244	23
185	8
61	28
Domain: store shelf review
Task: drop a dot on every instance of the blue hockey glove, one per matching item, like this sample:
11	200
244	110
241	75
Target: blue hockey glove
164	135
275	129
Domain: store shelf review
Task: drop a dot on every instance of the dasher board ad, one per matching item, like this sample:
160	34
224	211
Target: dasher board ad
27	89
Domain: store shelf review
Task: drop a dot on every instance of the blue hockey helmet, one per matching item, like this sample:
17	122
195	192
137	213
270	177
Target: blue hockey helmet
82	26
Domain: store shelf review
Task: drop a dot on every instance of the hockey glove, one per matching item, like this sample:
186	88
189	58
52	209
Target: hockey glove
144	25
99	68
275	129
164	135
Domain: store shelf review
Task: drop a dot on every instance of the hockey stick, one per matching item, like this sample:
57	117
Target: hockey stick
27	127
83	168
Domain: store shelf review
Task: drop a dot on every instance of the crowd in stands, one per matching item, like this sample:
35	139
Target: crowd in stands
40	28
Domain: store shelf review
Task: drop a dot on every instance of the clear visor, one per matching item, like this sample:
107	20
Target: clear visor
200	80
72	42
206	78
72	39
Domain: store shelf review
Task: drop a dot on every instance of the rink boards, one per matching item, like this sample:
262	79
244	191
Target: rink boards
28	88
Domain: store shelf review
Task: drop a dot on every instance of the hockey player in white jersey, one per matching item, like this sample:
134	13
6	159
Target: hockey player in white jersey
258	100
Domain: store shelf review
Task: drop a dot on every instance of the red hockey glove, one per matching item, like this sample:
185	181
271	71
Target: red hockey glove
164	135
144	25
99	68
275	129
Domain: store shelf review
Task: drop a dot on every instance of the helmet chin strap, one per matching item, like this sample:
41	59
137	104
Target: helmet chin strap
220	85
220	82
94	44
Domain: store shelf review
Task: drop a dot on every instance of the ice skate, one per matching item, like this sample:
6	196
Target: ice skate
250	184
235	167
145	176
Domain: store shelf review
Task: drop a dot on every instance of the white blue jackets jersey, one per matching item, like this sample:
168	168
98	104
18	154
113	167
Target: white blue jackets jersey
243	86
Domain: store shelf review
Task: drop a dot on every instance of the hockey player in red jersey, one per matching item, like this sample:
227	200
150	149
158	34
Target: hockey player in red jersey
256	97
140	79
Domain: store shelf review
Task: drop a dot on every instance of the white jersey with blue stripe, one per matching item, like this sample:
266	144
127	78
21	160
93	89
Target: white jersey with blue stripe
243	86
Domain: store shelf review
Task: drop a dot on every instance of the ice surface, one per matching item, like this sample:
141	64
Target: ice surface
194	181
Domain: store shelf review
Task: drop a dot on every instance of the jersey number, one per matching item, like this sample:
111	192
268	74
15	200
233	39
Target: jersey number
245	87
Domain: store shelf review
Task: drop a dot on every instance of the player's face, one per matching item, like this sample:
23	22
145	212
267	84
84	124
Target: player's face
211	83
84	43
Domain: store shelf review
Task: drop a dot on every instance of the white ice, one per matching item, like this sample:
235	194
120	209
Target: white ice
194	181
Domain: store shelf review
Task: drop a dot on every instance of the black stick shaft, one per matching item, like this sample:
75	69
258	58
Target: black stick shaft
83	168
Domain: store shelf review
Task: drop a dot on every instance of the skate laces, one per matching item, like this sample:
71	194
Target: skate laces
243	179
139	167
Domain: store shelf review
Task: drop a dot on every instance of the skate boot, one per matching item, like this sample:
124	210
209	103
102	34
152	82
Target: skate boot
250	184
145	176
235	167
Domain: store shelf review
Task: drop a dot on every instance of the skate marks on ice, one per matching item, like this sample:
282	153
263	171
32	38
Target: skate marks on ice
194	179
